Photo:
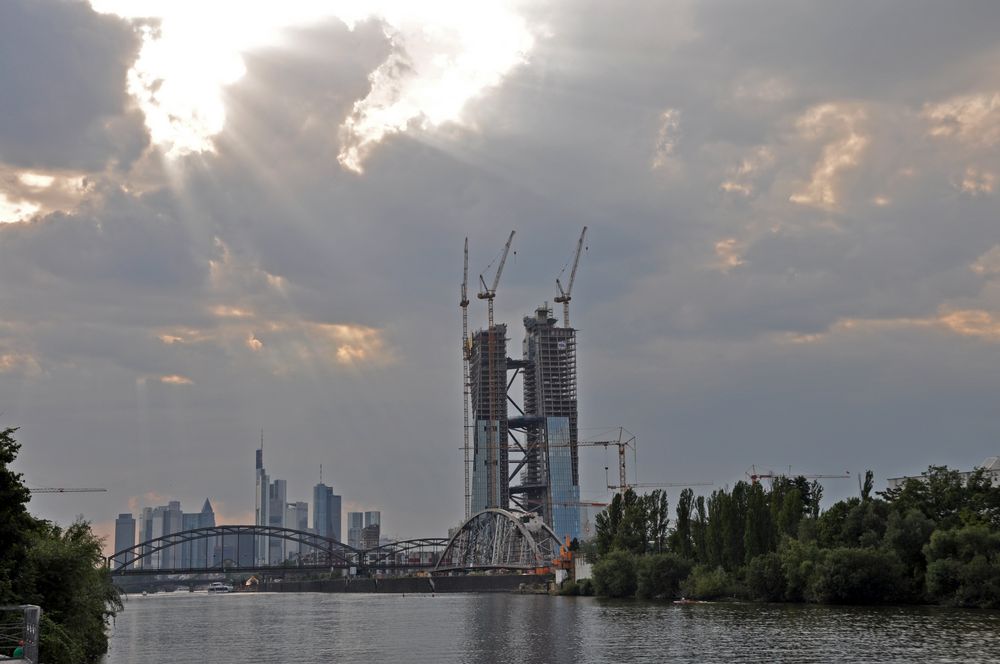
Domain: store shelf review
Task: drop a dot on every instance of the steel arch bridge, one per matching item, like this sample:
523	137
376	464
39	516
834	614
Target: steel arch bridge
244	542
498	539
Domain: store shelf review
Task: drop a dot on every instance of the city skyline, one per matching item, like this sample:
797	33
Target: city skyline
792	255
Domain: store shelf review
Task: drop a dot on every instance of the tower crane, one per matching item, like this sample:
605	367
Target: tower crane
755	476
492	449
466	387
623	443
65	490
564	295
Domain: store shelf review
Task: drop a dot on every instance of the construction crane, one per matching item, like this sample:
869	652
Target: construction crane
627	440
622	443
64	490
492	449
564	295
466	386
755	476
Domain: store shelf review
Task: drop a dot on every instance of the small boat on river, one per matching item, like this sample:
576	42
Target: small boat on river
219	587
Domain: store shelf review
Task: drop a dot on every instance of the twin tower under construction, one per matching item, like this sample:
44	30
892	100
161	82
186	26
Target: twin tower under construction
526	457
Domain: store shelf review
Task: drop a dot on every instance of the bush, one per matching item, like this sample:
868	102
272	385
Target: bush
615	575
799	564
585	587
964	567
660	575
765	578
860	576
708	583
569	587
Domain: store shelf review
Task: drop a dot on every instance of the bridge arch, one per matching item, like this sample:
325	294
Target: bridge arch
135	558
500	539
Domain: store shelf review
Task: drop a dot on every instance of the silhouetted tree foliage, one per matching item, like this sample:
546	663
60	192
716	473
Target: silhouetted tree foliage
60	570
935	539
615	575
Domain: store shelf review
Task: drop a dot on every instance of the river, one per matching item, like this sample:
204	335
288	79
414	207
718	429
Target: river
501	628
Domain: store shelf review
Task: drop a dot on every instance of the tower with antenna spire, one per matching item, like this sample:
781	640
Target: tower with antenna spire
262	504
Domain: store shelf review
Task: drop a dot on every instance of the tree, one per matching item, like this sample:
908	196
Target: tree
658	517
15	522
758	534
614	575
681	540
660	575
607	523
765	578
963	566
859	576
61	571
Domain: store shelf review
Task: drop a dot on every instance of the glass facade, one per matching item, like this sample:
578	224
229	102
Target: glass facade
565	493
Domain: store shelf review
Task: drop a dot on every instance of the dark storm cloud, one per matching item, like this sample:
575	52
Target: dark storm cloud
62	87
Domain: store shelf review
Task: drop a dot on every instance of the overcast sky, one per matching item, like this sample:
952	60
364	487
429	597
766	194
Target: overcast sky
221	217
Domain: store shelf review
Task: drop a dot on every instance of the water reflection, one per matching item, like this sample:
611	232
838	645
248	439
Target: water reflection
500	628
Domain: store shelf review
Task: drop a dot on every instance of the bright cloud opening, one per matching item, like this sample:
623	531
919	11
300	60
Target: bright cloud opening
838	125
444	53
14	211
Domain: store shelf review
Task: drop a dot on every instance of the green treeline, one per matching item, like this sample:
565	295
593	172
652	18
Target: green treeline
61	570
933	541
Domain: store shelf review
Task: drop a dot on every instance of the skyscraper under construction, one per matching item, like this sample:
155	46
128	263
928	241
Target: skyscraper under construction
525	459
549	358
488	383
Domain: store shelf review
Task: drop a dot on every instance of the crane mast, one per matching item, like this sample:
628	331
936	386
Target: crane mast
466	386
564	295
493	448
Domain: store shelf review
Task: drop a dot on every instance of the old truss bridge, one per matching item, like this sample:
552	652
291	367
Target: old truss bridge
494	539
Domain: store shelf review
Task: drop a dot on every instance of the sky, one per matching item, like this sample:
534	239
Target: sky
222	217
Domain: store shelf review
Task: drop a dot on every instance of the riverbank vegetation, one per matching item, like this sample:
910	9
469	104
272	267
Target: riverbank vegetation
60	569
935	540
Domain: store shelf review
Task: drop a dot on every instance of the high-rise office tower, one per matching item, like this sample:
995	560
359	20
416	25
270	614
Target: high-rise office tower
277	493
326	512
199	552
296	518
488	381
355	524
146	534
262	505
372	530
124	538
550	393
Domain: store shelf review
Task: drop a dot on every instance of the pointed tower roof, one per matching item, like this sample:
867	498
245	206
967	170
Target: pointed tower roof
207	508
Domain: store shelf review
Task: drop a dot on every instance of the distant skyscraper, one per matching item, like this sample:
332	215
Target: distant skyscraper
371	533
355	524
277	499
262	504
124	538
296	518
326	512
199	552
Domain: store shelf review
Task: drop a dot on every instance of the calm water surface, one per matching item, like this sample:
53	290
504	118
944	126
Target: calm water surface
488	629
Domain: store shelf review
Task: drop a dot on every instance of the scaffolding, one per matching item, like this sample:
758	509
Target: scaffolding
488	386
548	466
550	382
